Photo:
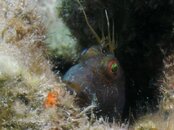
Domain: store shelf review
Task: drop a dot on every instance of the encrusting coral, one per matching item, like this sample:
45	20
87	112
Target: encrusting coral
31	95
25	74
59	41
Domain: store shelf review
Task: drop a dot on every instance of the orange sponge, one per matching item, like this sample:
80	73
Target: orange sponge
51	99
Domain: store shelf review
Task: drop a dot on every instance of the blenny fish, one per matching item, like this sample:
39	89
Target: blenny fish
98	77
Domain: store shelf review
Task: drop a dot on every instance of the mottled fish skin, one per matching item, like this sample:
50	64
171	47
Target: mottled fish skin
97	84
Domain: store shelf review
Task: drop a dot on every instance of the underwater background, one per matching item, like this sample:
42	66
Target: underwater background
41	39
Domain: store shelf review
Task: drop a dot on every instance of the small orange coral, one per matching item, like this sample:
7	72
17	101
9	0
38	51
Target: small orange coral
51	99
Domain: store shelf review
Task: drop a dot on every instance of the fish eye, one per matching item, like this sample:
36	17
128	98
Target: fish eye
114	67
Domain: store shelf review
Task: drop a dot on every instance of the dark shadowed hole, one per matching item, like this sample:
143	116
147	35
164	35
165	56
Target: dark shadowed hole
143	28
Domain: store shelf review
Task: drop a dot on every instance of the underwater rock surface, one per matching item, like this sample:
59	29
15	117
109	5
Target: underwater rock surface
31	95
28	87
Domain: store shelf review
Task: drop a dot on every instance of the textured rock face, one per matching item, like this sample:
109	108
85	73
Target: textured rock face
167	86
26	77
100	79
28	88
